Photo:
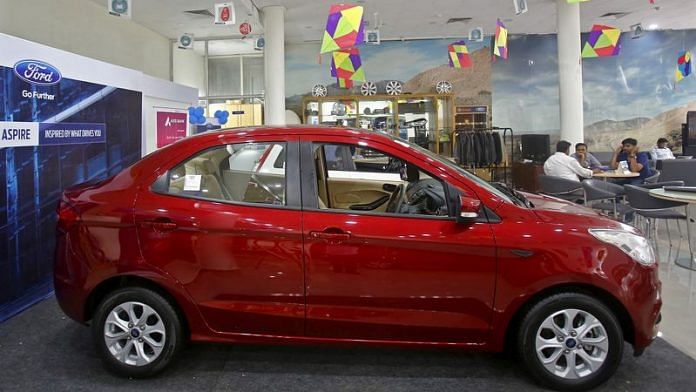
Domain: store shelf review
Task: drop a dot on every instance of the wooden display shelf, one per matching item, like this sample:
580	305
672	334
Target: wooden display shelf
440	117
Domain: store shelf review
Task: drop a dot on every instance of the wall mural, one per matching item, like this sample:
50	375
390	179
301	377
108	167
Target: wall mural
629	95
632	94
419	65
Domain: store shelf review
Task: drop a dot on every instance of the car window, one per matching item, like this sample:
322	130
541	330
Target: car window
245	172
354	178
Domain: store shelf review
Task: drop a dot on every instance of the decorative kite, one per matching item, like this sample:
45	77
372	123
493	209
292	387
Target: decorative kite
459	55
603	41
683	65
344	28
346	65
501	40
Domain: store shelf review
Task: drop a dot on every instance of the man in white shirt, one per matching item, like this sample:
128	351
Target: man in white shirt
662	150
561	164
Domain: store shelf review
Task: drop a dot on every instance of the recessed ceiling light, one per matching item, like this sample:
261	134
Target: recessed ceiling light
653	26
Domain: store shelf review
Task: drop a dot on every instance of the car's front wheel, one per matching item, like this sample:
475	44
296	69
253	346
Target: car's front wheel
136	331
570	342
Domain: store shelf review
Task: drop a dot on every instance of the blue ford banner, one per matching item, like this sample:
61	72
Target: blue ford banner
71	133
52	136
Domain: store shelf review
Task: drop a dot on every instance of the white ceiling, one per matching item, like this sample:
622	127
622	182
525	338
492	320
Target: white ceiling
407	19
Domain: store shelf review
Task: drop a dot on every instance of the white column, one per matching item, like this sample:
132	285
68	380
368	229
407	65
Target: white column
274	64
570	72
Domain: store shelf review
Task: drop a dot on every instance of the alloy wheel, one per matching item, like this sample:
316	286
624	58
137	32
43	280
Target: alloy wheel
572	344
134	333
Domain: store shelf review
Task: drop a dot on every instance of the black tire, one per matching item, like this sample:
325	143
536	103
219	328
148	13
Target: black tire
172	341
531	323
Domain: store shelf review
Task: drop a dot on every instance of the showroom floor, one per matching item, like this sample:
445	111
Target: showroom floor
678	309
43	350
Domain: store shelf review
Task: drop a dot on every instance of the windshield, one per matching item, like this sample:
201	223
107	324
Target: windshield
484	184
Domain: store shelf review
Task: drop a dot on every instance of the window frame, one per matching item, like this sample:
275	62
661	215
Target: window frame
310	193
161	183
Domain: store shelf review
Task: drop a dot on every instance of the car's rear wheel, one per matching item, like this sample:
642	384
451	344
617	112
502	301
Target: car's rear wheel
571	342
136	331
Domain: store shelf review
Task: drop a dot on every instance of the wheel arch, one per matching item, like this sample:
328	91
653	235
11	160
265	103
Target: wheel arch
109	285
595	292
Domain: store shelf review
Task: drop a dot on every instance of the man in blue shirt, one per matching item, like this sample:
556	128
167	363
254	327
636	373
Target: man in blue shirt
627	157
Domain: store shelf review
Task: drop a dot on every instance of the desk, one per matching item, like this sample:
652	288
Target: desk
615	174
681	197
525	176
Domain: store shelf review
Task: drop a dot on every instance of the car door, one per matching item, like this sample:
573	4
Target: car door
228	228
391	276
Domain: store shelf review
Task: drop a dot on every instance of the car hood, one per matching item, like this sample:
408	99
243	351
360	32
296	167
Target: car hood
554	210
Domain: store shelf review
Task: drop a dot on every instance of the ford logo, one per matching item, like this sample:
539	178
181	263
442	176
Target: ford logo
37	72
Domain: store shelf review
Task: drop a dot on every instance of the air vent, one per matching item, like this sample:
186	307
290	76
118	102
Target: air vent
200	13
615	15
458	20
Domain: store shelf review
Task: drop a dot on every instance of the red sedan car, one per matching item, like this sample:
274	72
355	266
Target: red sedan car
323	235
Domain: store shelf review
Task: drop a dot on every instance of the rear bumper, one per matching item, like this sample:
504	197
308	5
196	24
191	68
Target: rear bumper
68	281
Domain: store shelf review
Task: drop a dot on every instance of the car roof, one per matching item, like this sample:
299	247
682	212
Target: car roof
289	130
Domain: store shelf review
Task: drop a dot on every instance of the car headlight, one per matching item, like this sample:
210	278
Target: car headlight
633	245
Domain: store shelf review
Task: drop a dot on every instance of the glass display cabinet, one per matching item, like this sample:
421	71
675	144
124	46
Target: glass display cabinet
424	119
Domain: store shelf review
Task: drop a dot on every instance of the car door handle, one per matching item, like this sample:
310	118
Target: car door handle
330	235
159	224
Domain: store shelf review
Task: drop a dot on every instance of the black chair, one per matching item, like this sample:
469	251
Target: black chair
561	188
654	177
652	210
608	195
679	170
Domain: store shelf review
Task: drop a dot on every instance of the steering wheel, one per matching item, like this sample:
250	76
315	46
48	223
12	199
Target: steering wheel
395	199
425	199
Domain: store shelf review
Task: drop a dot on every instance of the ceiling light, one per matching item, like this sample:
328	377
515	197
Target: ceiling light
615	15
458	20
653	26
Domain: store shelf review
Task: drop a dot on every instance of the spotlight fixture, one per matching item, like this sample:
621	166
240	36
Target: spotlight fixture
520	6
476	35
637	30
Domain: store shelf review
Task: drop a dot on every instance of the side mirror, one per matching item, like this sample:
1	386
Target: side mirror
469	209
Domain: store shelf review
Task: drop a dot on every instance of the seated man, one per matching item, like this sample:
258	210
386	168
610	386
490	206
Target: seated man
627	156
563	165
585	159
662	150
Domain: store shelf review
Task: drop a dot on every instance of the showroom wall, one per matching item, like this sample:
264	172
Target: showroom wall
97	35
188	68
633	94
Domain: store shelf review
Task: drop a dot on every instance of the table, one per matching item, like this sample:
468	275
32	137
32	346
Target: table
681	197
615	174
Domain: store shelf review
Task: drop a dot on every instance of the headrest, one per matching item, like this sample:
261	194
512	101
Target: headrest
410	173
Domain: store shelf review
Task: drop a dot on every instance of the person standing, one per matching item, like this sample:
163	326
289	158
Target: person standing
585	158
662	150
629	157
561	164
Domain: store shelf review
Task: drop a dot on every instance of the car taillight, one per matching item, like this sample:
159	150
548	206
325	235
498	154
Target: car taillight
68	217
